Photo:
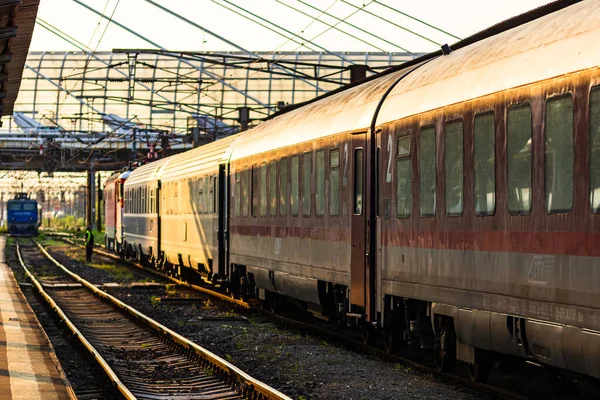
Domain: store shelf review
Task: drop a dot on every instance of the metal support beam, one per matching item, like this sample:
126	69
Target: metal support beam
210	74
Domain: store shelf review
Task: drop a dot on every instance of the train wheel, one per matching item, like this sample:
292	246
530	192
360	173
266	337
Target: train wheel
369	335
445	345
479	372
389	340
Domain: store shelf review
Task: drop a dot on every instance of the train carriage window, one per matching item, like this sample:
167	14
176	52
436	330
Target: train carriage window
306	183
294	183
320	183
263	189
403	178
334	182
215	197
254	191
485	164
518	159
454	148
358	181
283	186
143	199
246	191
427	170
152	201
237	194
595	149
200	200
272	188
14	207
175	205
28	206
559	154
209	195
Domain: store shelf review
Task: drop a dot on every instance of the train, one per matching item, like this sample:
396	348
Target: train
450	204
23	215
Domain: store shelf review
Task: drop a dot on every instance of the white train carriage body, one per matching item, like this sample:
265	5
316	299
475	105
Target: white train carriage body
193	188
141	220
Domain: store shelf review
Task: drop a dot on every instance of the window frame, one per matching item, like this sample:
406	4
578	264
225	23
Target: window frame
355	195
462	192
400	157
510	107
331	183
423	214
557	97
491	112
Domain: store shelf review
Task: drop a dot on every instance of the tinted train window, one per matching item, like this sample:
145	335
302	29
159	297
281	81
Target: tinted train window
595	149
255	192
559	154
237	194
403	178
283	186
485	164
152	201
358	181
334	182
518	159
454	147
263	189
15	207
215	189
200	202
294	182
306	183
320	183
427	171
245	191
273	188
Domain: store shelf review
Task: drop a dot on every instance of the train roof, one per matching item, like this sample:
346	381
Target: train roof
559	43
202	159
147	172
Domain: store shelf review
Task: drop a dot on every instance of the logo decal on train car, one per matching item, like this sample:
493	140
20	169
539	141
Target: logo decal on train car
540	270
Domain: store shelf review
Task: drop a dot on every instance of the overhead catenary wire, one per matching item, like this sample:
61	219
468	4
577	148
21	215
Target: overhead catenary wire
194	24
212	75
357	27
416	19
392	23
329	25
89	58
284	30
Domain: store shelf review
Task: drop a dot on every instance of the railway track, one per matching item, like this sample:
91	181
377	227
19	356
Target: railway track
143	359
316	328
322	330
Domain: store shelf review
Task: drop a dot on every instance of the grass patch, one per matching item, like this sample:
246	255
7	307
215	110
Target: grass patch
120	273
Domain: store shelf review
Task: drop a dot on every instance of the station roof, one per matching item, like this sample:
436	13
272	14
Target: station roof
17	19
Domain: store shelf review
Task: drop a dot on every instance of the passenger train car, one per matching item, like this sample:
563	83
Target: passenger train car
451	203
24	216
113	210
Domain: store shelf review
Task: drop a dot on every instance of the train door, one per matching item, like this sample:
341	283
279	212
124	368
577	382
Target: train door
358	226
222	228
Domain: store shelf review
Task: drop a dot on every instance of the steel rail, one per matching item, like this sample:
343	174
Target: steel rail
345	340
88	346
249	386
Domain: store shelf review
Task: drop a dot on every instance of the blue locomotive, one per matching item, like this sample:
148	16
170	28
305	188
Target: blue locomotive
23	216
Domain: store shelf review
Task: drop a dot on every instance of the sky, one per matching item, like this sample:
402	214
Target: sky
459	18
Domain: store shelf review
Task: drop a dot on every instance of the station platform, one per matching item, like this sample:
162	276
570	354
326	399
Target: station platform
28	366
